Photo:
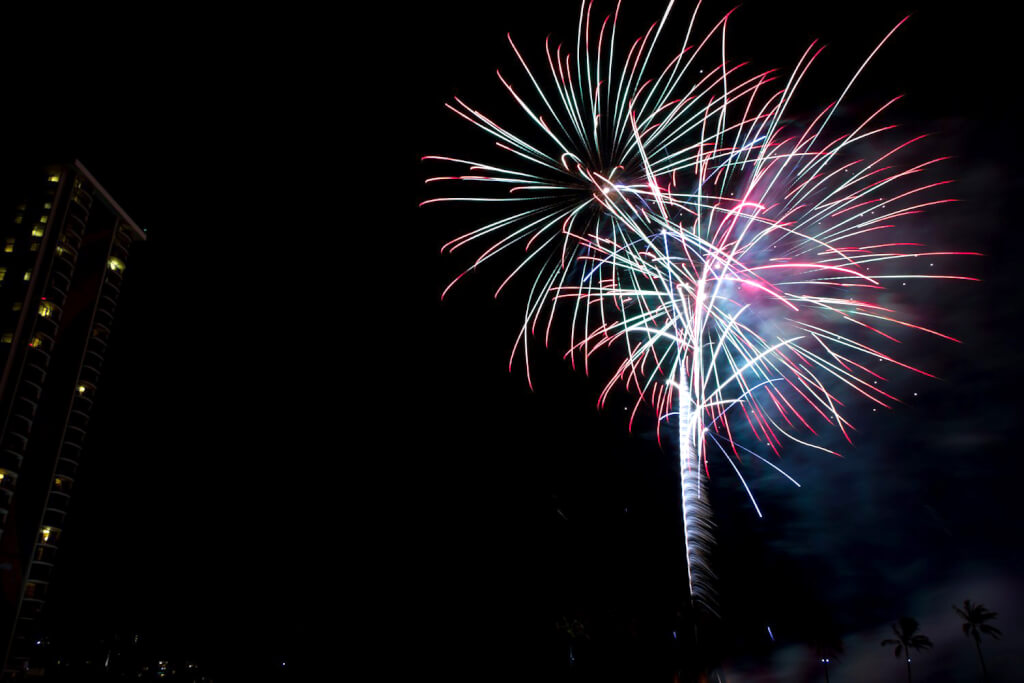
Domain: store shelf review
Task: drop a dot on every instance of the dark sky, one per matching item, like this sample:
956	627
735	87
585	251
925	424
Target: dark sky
297	441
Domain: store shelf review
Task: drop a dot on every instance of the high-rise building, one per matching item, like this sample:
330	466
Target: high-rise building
65	246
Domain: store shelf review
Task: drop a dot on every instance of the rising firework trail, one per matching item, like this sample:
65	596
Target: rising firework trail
736	261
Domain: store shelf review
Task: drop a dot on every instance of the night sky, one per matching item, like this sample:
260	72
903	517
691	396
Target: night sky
299	451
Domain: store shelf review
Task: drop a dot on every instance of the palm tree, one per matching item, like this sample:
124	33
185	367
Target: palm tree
828	648
907	638
974	617
575	631
826	643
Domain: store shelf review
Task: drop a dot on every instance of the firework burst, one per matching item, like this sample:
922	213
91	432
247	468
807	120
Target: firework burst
601	120
734	260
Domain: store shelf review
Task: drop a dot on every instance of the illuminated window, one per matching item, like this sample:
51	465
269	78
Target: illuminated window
115	264
43	219
36	342
3	475
3	273
81	388
47	205
54	178
45	309
6	337
28	275
59	250
9	245
60	483
37	231
46	532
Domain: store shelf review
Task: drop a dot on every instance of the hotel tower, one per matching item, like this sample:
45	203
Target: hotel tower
65	243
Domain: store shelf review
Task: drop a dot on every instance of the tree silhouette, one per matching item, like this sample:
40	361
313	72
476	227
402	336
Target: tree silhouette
907	639
975	616
575	631
827	646
822	635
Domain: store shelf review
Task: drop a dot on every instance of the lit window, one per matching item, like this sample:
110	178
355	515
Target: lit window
28	275
115	264
36	342
45	309
43	219
9	245
3	273
47	205
54	177
46	531
6	338
37	231
59	250
59	483
81	388
3	475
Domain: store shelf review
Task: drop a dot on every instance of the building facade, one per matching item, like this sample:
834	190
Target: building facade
65	247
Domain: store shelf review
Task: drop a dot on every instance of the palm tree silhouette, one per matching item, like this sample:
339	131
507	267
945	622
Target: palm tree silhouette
907	638
975	616
828	654
827	646
575	631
